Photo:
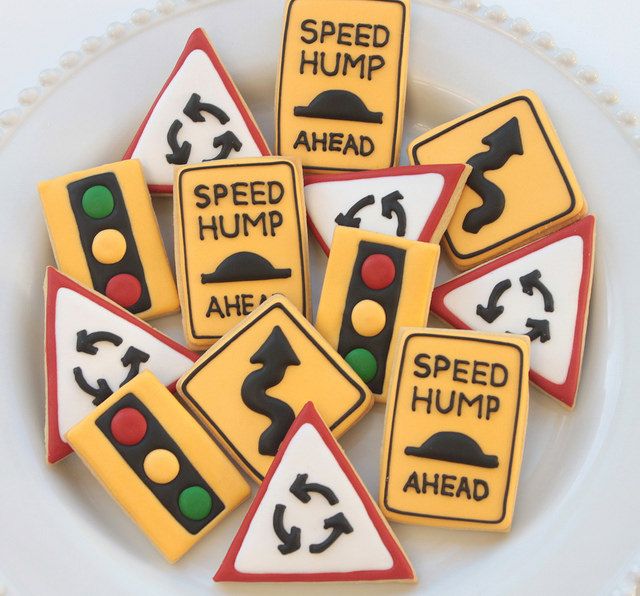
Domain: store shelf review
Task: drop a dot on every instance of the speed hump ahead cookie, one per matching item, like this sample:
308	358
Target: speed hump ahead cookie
159	464
454	429
521	186
249	386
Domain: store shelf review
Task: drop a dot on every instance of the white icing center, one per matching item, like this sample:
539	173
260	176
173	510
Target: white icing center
560	265
197	75
360	550
74	312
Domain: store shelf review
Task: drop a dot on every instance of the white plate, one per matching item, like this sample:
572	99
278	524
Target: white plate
577	521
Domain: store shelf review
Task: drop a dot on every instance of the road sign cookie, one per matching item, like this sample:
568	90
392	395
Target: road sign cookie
521	186
93	347
248	388
541	290
412	202
374	285
454	429
313	520
159	464
336	58
104	233
199	115
241	236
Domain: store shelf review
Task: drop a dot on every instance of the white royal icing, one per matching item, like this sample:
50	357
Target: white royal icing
74	312
196	75
326	200
360	550
560	265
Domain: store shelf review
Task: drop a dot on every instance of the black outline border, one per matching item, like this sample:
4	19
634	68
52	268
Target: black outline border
396	138
202	363
552	150
513	439
301	221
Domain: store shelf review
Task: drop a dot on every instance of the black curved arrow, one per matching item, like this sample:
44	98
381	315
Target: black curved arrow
349	218
195	107
339	525
133	358
99	393
492	311
85	342
229	142
532	280
301	489
539	330
390	205
291	539
180	152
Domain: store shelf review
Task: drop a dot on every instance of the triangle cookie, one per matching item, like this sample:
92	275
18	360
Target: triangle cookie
92	347
541	290
198	116
412	202
313	520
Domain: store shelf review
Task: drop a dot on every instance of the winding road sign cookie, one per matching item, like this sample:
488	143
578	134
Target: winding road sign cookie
412	202
521	187
159	464
93	347
541	290
313	520
249	386
337	56
241	236
454	429
198	116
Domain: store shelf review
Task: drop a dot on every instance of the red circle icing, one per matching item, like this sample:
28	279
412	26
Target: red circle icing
378	271
128	426
124	289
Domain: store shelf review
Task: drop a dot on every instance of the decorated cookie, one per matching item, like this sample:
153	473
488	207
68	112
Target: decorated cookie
541	290
159	464
313	519
241	236
198	116
413	202
341	87
249	386
93	347
454	429
521	186
374	285
104	234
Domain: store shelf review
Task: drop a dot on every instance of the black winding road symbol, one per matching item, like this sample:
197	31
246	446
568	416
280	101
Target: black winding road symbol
132	359
390	205
194	109
539	328
290	540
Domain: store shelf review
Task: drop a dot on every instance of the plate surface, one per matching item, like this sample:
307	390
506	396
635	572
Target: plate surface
576	521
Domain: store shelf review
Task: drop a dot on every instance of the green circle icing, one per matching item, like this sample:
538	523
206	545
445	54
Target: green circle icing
97	202
195	503
363	362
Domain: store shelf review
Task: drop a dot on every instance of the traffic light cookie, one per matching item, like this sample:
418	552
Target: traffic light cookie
521	187
104	234
412	202
159	465
241	236
199	115
541	290
342	82
248	387
313	520
454	429
93	347
374	285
